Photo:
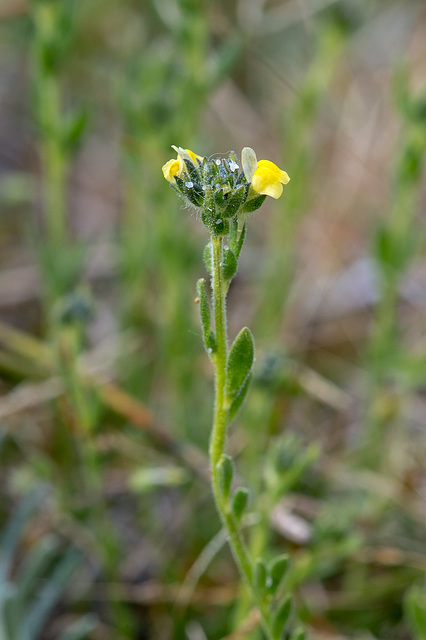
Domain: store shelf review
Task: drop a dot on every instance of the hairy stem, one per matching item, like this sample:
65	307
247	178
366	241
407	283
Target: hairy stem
218	436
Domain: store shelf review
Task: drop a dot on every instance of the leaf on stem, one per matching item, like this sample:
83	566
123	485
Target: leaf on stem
238	371
276	570
260	575
281	618
205	317
239	502
225	472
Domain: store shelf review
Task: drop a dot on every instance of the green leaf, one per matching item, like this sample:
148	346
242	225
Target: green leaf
276	570
241	240
229	263
238	370
208	257
239	399
239	502
225	471
281	618
260	575
205	317
253	204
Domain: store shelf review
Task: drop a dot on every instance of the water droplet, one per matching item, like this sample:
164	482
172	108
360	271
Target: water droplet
254	359
217	162
189	185
209	350
233	166
219	221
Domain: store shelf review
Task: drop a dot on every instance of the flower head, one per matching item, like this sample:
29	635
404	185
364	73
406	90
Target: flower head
222	192
265	177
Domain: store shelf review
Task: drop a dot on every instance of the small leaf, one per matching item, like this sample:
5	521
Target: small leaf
281	618
239	502
225	471
260	575
253	204
241	240
230	264
239	399
240	362
276	570
208	335
208	258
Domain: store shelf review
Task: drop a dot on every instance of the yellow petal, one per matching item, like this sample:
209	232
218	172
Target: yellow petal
171	169
193	156
268	179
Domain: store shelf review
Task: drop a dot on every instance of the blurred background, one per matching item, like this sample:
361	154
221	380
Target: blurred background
107	527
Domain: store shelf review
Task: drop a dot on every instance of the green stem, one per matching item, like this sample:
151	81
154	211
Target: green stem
218	436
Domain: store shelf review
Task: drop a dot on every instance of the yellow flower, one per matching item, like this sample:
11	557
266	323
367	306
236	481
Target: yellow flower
176	167
266	178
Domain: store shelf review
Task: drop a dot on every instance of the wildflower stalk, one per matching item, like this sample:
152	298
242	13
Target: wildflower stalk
219	429
223	196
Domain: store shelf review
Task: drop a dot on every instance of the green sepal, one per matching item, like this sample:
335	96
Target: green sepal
208	213
229	264
281	618
235	201
276	570
208	257
194	194
192	170
239	502
238	369
225	472
253	204
205	317
179	185
260	575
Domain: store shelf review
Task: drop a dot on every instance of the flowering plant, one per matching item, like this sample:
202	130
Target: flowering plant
224	194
